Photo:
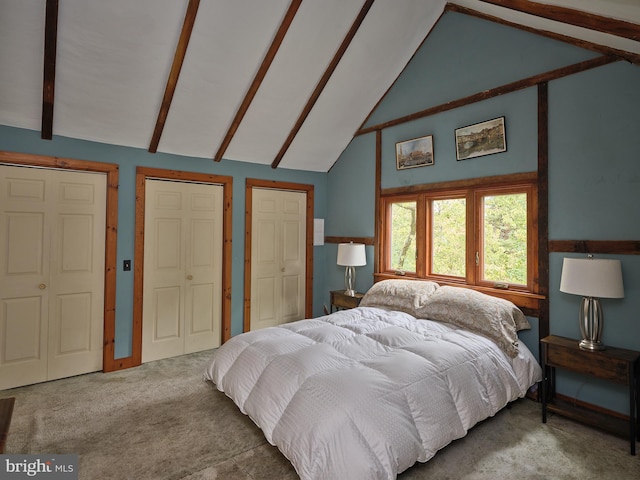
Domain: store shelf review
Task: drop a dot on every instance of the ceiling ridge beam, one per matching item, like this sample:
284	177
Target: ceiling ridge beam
594	47
494	92
174	74
577	18
49	76
258	79
323	81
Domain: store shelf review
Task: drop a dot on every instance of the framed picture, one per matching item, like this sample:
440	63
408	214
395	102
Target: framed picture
417	152
481	139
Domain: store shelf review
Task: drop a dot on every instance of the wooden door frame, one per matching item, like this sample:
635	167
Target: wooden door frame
109	363
252	183
142	174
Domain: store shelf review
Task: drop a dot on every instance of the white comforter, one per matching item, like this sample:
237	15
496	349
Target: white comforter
365	393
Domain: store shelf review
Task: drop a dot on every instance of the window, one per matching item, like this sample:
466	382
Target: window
482	235
402	236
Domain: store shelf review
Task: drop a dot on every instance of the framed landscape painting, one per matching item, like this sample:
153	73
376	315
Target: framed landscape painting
417	152
481	139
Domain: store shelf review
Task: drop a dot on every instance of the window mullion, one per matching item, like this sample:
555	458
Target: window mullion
473	247
423	237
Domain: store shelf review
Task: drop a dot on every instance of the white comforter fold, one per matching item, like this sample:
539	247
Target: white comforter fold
365	393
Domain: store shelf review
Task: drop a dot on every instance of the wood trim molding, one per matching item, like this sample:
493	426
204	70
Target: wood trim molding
603	49
257	80
323	81
250	184
365	240
614	247
495	92
142	173
543	209
109	363
493	181
570	16
174	74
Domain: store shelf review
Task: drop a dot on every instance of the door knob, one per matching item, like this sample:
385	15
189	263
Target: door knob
42	286
189	277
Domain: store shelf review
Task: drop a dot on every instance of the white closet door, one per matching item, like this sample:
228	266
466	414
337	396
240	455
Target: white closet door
52	240
278	257
182	299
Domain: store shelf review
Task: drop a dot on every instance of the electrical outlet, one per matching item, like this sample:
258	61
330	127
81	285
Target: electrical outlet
126	265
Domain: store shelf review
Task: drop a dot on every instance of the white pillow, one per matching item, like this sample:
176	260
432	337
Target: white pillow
403	295
492	317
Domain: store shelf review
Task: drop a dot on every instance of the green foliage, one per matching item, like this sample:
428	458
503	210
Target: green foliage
403	237
449	237
505	238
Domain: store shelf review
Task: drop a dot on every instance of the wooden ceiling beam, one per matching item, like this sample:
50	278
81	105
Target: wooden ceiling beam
570	16
603	49
323	81
174	74
257	80
495	92
49	77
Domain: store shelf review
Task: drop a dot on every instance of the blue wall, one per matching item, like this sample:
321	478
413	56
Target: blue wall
19	140
594	158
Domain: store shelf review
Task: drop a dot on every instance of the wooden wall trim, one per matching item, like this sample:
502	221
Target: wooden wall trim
543	209
109	363
495	92
614	247
577	18
365	240
142	174
495	180
623	54
378	214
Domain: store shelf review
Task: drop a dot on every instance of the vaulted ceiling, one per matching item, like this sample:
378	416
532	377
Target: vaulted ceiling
285	83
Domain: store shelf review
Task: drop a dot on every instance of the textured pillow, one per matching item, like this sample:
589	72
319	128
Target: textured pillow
492	317
403	295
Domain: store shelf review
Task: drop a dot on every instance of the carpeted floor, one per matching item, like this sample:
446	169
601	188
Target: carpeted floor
163	421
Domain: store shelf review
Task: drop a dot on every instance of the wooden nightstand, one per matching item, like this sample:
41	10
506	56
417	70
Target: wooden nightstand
615	365
342	301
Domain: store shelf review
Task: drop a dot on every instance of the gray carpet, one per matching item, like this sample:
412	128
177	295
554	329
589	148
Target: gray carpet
163	421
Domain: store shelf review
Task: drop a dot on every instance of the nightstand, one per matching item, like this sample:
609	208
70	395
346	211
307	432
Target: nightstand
342	301
615	365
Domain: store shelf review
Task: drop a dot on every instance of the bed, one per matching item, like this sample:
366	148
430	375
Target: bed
367	392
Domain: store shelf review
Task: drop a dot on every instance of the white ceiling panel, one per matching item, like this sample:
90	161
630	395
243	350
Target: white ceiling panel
229	42
390	35
21	63
315	35
114	58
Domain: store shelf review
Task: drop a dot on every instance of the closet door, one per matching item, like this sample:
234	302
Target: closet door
182	299
52	244
278	257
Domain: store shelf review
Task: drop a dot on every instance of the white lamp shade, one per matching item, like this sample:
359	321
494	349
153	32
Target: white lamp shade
592	277
351	255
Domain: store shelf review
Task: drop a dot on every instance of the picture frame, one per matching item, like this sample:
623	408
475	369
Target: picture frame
417	152
484	138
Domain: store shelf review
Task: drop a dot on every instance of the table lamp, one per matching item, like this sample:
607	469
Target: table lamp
592	278
351	255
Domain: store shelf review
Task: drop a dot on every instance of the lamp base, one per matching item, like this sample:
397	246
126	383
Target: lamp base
591	323
350	293
592	345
